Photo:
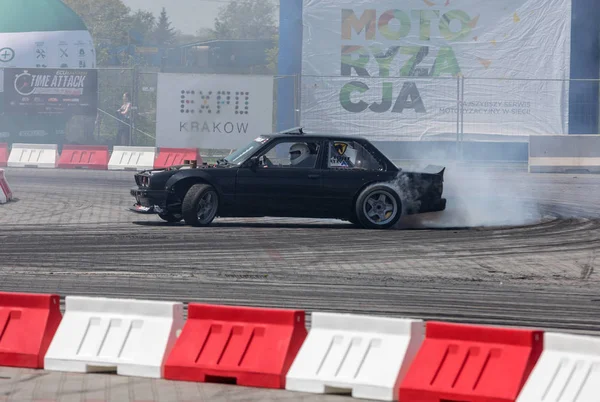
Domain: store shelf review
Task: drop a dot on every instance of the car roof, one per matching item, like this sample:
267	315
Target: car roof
320	136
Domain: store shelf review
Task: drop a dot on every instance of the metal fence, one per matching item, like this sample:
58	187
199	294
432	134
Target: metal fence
113	84
424	108
457	109
142	86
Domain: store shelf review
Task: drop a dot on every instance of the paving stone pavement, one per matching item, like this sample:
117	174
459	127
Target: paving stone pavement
24	385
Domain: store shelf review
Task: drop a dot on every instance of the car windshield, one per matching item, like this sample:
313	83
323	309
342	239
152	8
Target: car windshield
241	154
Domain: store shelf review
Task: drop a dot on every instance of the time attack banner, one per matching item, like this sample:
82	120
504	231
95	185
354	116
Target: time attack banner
41	91
388	69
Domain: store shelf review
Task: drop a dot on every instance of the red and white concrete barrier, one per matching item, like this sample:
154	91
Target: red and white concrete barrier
367	357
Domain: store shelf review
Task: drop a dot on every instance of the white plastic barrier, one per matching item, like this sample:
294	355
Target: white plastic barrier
132	158
33	155
131	337
367	356
5	191
568	370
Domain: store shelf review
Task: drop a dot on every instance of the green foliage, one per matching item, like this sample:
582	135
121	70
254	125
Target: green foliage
143	23
112	24
272	55
246	19
205	34
108	21
164	34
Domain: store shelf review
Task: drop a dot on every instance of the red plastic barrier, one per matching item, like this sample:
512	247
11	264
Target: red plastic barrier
93	157
28	323
168	157
469	363
3	155
252	347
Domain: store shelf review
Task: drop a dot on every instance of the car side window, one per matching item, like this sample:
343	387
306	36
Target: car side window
291	154
351	155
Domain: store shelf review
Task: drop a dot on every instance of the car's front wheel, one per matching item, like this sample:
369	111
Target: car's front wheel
378	207
200	205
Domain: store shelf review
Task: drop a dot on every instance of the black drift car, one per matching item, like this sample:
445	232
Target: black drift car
293	175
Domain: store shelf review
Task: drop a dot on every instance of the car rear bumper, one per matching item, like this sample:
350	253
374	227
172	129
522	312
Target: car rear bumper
148	201
433	206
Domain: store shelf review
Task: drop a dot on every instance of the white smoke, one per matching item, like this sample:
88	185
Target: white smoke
408	194
477	196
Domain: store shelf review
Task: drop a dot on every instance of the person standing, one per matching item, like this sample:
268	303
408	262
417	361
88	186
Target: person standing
124	115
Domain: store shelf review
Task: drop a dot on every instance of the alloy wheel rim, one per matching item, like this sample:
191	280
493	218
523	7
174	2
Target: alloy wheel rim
207	207
380	207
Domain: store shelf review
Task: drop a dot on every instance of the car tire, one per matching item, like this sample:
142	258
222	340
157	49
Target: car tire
200	205
378	207
171	218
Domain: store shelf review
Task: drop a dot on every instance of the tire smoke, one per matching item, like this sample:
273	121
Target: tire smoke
477	196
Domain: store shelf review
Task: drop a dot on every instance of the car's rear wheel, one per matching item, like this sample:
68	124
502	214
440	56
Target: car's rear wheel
171	218
200	205
378	207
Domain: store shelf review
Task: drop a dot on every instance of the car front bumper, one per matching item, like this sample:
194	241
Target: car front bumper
148	201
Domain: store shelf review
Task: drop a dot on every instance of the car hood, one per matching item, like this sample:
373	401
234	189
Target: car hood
176	168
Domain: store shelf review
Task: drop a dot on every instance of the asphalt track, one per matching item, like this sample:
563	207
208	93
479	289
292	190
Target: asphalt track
71	232
513	248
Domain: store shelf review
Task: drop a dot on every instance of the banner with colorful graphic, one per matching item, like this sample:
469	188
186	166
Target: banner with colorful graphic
390	70
50	92
209	111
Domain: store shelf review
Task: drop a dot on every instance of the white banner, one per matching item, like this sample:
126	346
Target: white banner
388	70
217	111
54	49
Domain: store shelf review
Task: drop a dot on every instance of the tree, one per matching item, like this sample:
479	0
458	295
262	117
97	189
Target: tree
143	24
205	34
108	21
164	34
246	19
184	39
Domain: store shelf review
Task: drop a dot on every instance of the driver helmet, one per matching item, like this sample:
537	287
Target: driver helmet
298	153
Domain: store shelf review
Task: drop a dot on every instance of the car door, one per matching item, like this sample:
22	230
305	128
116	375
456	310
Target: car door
348	168
280	186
